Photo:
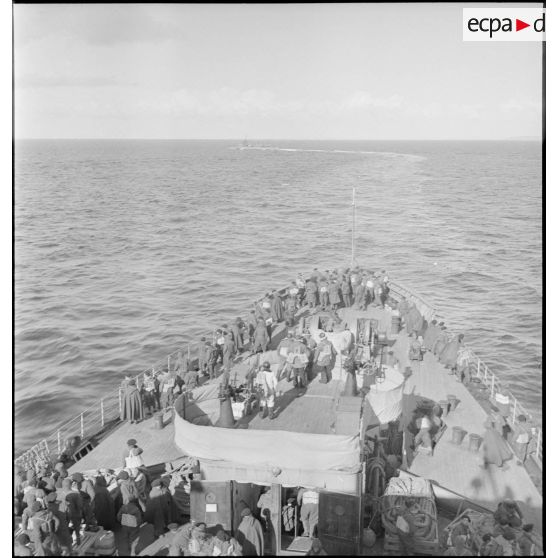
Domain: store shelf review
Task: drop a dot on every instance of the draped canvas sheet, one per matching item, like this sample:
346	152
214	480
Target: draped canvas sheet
269	448
386	398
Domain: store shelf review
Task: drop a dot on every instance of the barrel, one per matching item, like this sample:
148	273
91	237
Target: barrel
474	442
453	401
395	323
159	421
457	435
444	406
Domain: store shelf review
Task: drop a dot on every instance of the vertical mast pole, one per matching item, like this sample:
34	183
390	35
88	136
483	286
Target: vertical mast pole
354	225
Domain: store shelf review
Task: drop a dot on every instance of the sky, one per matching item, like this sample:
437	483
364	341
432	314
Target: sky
292	71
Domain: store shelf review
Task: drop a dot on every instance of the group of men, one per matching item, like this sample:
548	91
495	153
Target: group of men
509	537
347	287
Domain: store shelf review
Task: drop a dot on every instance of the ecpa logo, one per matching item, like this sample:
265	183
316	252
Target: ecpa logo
503	24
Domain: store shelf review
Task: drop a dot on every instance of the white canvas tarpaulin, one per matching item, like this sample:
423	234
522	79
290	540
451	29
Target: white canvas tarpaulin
386	398
269	448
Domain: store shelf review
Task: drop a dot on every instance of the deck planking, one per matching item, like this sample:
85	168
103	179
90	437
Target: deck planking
158	446
454	466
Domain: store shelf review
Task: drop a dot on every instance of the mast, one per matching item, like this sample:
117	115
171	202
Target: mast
353	230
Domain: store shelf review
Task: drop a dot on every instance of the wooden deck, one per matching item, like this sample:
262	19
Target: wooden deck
158	446
454	466
303	410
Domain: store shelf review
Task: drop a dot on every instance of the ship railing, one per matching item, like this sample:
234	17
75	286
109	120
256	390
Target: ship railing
94	419
482	372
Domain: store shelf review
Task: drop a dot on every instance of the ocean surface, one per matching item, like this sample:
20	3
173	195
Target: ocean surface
127	250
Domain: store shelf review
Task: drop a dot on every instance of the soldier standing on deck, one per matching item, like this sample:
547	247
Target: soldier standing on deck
202	363
324	357
229	351
346	292
311	294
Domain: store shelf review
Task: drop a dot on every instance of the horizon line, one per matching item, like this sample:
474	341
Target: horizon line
512	138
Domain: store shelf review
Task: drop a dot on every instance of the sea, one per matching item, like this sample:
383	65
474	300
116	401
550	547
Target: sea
126	250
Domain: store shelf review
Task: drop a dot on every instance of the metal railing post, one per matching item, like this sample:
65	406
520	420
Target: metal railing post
59	441
485	373
514	410
478	368
538	444
168	363
120	401
492	387
102	413
188	353
81	424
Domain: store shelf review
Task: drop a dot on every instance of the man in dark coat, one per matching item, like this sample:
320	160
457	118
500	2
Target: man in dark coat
104	504
132	406
250	534
276	308
158	510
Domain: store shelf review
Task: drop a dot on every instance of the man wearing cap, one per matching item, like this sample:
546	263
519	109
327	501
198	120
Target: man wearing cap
268	382
300	355
158	510
323	357
130	445
285	347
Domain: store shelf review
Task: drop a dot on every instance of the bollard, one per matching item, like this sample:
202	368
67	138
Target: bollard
474	442
444	406
453	401
457	435
159	424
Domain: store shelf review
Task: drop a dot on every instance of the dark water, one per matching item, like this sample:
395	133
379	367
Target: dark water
125	250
